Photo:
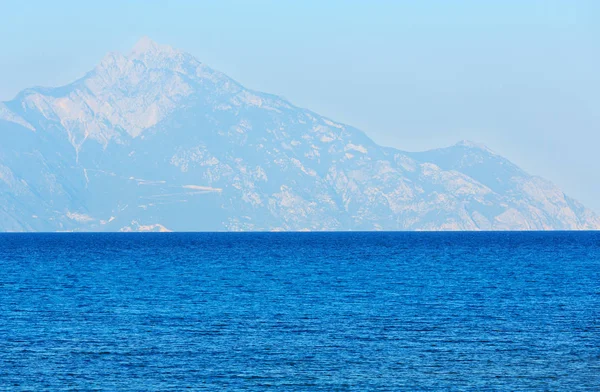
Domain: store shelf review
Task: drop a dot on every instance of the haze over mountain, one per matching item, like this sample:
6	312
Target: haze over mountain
156	140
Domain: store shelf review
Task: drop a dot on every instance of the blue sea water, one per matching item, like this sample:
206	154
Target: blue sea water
300	311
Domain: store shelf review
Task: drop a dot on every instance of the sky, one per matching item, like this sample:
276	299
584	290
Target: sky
522	77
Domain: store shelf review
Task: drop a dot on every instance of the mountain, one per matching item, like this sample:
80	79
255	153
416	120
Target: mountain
156	140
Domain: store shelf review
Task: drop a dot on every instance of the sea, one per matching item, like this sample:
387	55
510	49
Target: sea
391	311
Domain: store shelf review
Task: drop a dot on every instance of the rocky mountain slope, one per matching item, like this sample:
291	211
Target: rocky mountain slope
157	141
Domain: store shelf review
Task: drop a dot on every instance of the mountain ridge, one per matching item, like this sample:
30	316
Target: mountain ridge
157	140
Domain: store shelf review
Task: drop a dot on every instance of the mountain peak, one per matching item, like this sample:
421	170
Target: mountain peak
128	94
147	45
151	54
473	145
154	54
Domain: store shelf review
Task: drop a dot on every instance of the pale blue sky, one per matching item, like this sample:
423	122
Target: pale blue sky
522	77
